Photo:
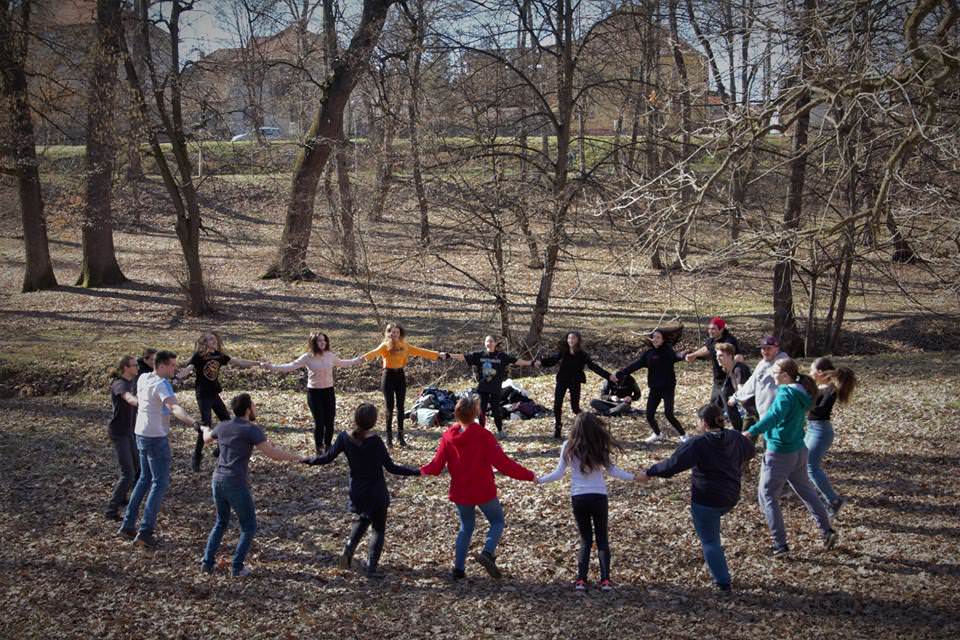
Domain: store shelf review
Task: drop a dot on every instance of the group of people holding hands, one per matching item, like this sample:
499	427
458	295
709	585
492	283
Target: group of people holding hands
791	410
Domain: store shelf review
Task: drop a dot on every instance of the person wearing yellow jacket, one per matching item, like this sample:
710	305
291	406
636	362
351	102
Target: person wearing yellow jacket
395	353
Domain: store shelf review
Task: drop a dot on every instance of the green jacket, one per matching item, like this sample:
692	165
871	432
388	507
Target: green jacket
783	423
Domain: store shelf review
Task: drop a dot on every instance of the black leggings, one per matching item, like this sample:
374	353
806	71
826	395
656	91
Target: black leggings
208	405
653	401
490	401
394	387
590	511
323	407
558	392
377	519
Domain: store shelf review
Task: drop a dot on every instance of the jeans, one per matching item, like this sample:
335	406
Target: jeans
229	495
591	510
323	408
127	457
818	440
155	476
706	522
788	468
493	512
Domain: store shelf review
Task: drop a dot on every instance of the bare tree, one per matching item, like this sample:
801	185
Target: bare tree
99	267
180	186
17	143
291	261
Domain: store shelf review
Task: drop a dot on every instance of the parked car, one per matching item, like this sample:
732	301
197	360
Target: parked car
268	133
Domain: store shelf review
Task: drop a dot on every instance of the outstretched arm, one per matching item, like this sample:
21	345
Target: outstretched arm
244	364
557	473
435	466
274	452
702	352
329	455
423	353
299	363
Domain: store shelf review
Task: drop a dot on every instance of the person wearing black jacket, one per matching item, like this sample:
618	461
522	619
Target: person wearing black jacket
716	458
616	397
662	381
490	366
369	498
572	359
717	332
737	373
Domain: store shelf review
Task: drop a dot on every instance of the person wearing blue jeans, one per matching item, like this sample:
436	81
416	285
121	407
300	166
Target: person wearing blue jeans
231	484
493	512
706	522
716	458
155	403
835	384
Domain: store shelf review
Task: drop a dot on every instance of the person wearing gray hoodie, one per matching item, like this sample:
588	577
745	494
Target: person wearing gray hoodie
761	385
785	460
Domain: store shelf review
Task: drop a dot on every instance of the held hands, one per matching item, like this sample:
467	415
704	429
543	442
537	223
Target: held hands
265	365
642	478
537	364
311	460
690	358
613	378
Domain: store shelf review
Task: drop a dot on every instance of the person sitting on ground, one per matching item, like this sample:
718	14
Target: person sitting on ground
616	397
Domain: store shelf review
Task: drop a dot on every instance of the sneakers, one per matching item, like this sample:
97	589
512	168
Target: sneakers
830	540
684	438
836	505
457	574
112	514
146	539
128	534
501	435
245	572
580	586
206	569
345	561
654	438
606	585
725	588
780	552
400	440
556	433
376	574
489	562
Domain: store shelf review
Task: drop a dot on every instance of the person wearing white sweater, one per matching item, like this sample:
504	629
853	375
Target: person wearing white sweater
587	453
319	362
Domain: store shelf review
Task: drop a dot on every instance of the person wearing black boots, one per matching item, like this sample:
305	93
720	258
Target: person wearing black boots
369	498
572	359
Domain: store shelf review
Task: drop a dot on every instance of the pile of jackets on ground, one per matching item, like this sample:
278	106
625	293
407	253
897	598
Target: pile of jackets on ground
435	405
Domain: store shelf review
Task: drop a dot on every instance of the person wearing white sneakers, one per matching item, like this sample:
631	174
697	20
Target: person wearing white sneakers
662	381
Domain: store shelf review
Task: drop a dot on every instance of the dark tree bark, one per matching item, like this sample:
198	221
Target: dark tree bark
291	261
17	143
180	188
99	267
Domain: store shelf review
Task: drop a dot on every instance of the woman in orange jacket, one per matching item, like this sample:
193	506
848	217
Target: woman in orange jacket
395	353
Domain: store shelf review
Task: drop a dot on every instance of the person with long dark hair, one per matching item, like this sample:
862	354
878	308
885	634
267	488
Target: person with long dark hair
659	361
835	384
716	458
123	396
490	366
572	359
207	360
588	454
470	453
396	352
319	362
785	460
369	498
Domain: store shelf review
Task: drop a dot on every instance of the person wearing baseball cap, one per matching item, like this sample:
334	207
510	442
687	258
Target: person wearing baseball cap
717	332
761	385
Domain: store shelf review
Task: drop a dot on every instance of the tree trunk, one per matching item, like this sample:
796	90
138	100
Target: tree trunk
39	273
99	267
561	204
291	261
415	59
347	236
384	171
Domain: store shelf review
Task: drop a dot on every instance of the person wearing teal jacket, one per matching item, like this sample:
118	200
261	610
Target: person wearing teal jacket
785	460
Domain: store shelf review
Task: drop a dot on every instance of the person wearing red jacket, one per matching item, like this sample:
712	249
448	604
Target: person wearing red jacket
471	453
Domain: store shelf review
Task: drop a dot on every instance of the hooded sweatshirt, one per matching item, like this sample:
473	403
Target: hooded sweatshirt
717	459
470	454
761	385
782	425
